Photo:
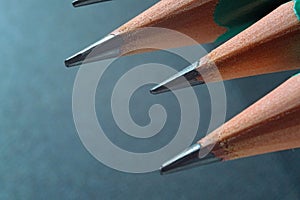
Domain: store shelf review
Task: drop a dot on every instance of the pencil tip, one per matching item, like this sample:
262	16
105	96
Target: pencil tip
78	3
106	48
185	78
187	159
159	89
161	171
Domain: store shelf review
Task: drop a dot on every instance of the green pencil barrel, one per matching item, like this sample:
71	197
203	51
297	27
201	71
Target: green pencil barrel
239	15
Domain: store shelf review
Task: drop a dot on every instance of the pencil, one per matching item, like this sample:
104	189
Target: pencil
270	45
269	125
203	20
78	3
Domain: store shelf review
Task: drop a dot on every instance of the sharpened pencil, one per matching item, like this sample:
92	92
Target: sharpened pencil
78	3
269	125
270	45
205	21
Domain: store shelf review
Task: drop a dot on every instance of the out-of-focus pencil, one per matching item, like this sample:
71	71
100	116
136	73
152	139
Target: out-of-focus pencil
269	125
78	3
270	45
203	20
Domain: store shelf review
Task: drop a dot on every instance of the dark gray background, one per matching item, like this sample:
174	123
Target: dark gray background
40	152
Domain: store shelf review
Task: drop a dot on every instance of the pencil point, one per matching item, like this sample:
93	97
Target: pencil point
187	159
106	48
159	89
185	78
78	3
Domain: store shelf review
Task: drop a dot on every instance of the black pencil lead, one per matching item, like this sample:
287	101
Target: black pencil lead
78	3
187	159
187	77
106	48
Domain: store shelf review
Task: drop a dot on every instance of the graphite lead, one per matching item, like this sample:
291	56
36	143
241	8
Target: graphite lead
78	3
187	159
106	48
187	77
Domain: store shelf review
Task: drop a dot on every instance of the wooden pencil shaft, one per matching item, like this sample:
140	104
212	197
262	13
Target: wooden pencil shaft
271	124
194	18
270	45
186	16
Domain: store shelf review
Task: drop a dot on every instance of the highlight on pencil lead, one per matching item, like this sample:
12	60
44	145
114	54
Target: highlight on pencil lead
106	48
185	78
79	3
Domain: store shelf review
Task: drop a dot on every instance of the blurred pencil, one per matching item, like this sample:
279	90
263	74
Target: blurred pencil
270	45
205	21
269	125
78	3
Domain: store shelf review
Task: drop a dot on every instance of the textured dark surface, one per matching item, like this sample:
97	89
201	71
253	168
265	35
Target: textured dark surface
40	152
